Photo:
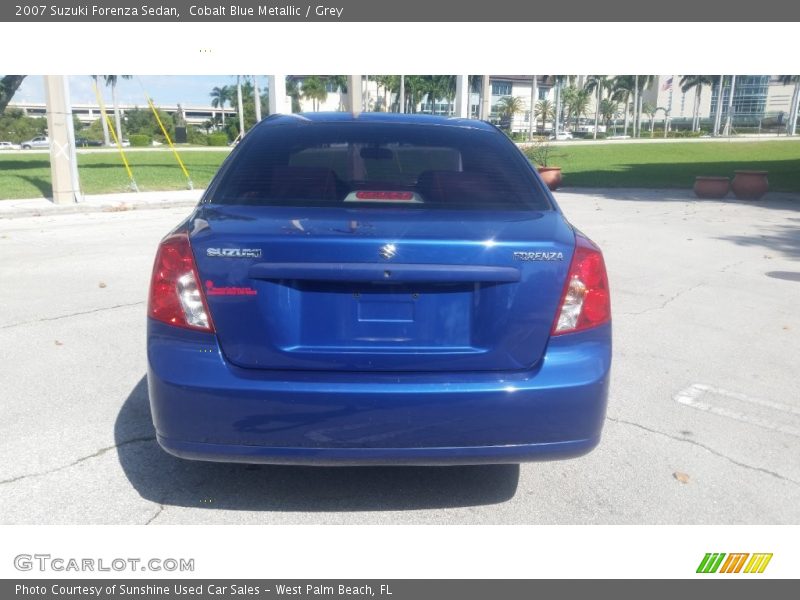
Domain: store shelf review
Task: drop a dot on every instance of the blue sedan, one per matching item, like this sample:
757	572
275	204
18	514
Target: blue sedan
377	289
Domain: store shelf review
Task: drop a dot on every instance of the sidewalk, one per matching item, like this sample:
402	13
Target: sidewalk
34	207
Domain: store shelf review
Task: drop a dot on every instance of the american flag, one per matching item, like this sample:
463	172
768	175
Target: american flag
667	85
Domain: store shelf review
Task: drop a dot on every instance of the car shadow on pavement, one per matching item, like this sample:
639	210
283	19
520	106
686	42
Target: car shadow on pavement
162	478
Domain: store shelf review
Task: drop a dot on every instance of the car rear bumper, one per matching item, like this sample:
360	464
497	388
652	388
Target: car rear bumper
206	409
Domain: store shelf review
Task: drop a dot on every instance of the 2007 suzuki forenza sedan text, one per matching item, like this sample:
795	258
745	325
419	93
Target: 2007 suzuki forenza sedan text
377	289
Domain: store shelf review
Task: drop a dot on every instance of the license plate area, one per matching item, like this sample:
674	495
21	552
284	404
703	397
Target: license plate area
377	317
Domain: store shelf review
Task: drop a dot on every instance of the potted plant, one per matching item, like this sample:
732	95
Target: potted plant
539	152
711	187
750	185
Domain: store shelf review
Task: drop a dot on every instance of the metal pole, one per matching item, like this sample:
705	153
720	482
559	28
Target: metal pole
61	134
402	100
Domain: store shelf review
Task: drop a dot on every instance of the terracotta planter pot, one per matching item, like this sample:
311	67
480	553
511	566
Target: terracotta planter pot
551	176
711	187
750	185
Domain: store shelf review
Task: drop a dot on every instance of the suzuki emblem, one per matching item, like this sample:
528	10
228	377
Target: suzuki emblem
388	251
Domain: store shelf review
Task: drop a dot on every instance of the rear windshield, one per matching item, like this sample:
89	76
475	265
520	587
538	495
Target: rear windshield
365	164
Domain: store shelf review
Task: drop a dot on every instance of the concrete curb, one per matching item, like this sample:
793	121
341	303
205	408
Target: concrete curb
39	207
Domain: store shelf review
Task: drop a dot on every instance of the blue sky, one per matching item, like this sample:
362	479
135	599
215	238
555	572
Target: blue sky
189	90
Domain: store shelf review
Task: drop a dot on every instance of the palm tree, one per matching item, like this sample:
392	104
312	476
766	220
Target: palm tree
415	88
650	110
339	83
558	84
314	89
112	81
642	83
510	106
219	97
609	109
103	117
9	84
596	84
576	103
696	82
622	90
791	125
293	91
545	110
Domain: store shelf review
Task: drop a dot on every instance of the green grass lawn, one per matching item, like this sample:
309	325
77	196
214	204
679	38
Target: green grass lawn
656	165
675	165
28	176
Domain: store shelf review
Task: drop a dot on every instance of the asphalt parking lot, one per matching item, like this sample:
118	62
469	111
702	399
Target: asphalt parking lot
703	423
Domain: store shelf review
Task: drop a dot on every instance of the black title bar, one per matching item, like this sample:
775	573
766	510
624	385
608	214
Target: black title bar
540	11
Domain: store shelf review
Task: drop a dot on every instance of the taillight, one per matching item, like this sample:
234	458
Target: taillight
175	296
585	302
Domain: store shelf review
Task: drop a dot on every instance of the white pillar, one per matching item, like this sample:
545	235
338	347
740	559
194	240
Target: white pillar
354	87
486	98
402	101
61	133
278	101
462	96
532	123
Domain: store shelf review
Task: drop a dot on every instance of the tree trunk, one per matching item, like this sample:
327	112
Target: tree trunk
557	123
635	106
729	118
718	115
597	110
533	107
103	114
627	110
257	98
791	124
240	105
639	115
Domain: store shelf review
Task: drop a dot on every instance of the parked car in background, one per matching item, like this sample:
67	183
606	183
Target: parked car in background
377	289
9	146
40	141
82	142
562	135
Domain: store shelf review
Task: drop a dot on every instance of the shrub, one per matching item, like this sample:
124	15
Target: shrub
140	139
195	136
218	139
540	151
